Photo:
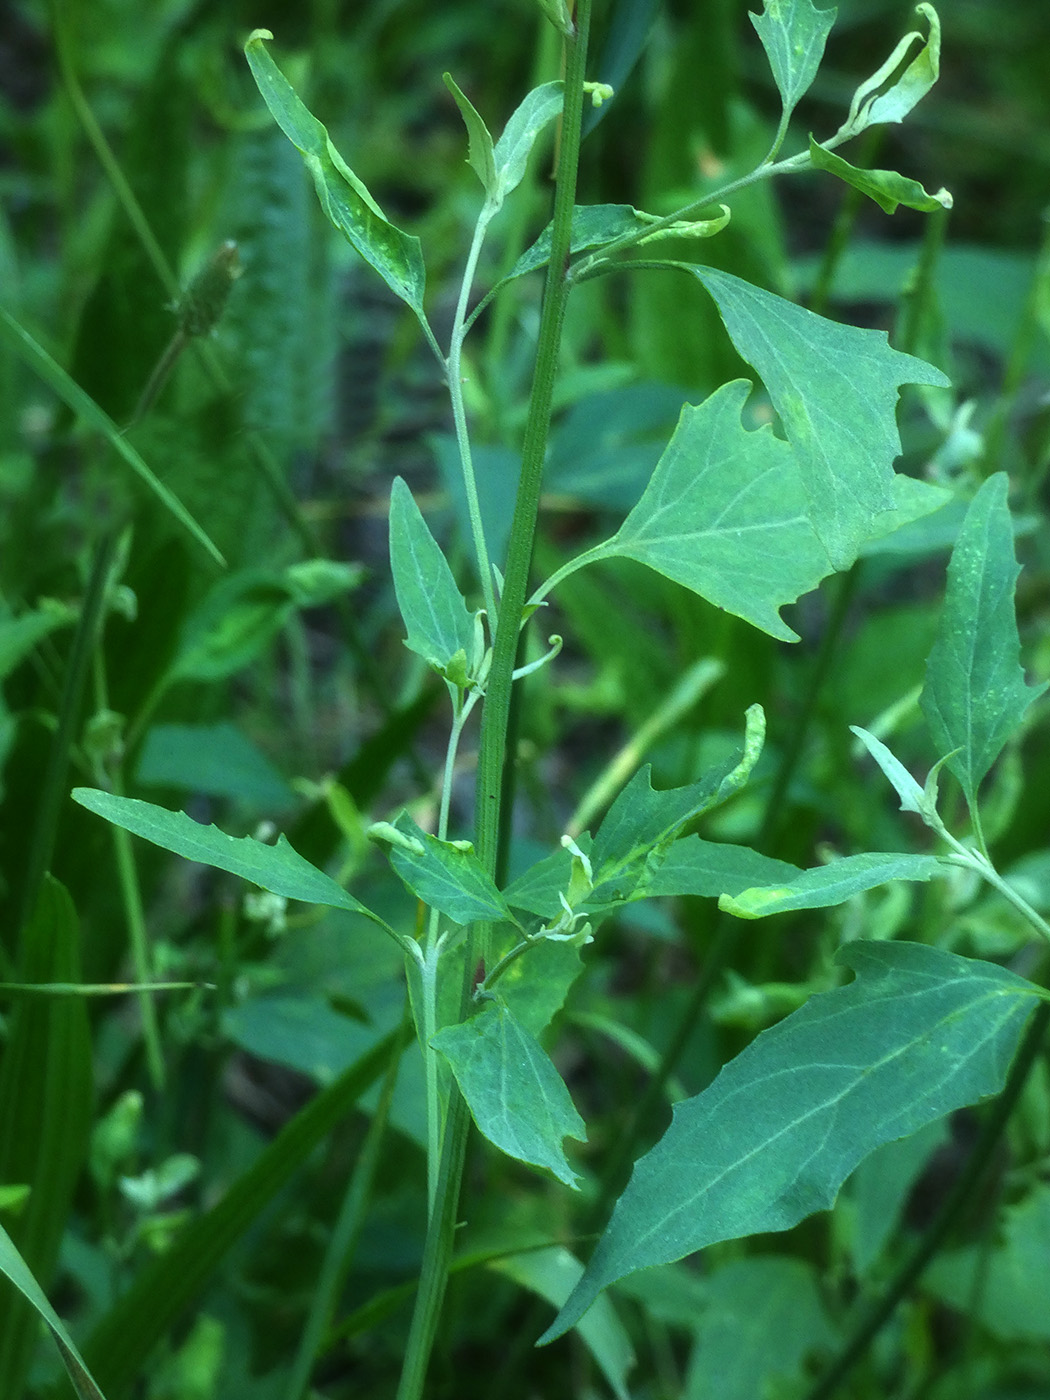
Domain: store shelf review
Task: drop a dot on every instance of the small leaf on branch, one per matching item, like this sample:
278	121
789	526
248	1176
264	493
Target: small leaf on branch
793	34
447	875
886	187
875	102
479	141
825	885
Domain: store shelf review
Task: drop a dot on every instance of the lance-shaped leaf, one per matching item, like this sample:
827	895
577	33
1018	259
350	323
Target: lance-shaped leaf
537	110
516	1096
975	693
439	626
793	34
447	875
726	514
886	187
396	256
835	389
919	1033
885	99
825	885
641	824
479	141
279	869
907	789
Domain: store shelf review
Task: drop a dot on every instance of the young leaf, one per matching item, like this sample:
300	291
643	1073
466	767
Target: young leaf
594	225
516	1096
479	142
886	187
432	607
872	104
793	34
920	1032
511	154
726	514
908	790
975	693
279	869
825	885
396	256
445	876
835	389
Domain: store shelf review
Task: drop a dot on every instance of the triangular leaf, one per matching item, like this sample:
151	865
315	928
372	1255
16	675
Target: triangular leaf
919	1033
835	389
793	34
396	256
975	694
446	876
886	187
726	514
432	607
516	1096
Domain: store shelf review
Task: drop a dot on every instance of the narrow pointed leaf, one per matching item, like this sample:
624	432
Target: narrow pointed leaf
835	389
726	514
85	408
826	885
432	607
447	877
975	693
886	187
279	869
396	256
919	1033
873	102
479	141
793	34
908	790
516	1096
537	110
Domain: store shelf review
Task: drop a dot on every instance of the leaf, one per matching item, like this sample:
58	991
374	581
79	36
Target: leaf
975	694
872	103
516	1096
479	141
534	987
396	256
536	110
641	823
218	760
835	389
825	885
85	407
886	187
432	607
552	1274
793	34
725	514
920	1032
279	869
14	1267
907	789
446	877
19	636
594	225
693	866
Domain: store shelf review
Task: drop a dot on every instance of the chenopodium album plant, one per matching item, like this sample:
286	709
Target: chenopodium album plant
749	520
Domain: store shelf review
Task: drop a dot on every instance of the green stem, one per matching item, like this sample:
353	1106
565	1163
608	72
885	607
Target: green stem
966	1184
437	1253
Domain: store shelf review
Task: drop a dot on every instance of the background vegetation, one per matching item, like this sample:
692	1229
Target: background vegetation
276	691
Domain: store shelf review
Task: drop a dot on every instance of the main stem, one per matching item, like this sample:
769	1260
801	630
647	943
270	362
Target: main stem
437	1252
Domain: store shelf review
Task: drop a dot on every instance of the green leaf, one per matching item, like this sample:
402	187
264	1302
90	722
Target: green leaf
920	1032
19	636
886	187
479	141
552	1274
534	987
432	607
825	885
907	789
793	34
279	869
641	824
835	389
511	154
14	1267
694	866
726	514
85	407
396	256
445	876
162	1290
594	225
516	1096
975	694
874	102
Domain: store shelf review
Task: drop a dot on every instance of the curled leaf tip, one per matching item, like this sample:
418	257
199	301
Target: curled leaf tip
257	36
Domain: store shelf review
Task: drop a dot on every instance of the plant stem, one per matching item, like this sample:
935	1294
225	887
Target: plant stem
964	1188
437	1253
